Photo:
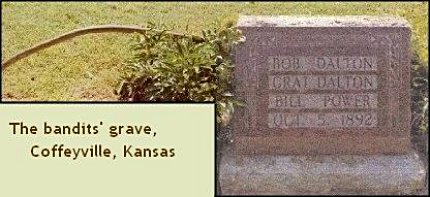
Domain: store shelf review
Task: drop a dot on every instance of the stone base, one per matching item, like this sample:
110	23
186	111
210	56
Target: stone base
346	174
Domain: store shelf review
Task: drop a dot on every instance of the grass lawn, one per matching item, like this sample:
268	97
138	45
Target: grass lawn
88	67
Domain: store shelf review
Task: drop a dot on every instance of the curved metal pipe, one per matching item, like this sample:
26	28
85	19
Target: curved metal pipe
83	31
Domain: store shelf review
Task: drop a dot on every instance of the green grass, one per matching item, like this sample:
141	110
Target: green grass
88	67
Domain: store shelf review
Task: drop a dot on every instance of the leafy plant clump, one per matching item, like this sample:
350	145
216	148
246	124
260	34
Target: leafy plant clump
179	68
419	91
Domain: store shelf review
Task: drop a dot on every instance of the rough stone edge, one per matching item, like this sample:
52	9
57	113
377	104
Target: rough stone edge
293	175
322	21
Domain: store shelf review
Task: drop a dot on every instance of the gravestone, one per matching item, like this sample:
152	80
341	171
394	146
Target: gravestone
326	97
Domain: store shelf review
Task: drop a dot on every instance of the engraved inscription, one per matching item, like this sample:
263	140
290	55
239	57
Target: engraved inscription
337	63
332	120
365	103
322	82
323	101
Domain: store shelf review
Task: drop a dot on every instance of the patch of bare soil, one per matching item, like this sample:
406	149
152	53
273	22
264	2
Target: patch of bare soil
94	94
10	97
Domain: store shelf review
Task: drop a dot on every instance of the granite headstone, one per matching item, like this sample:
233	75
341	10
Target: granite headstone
323	85
327	108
